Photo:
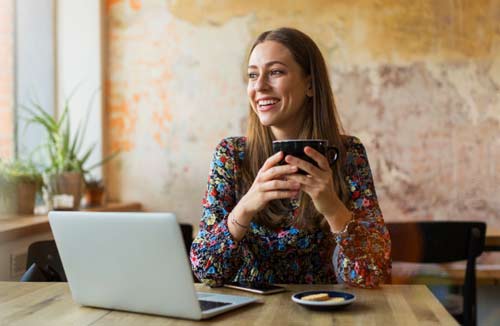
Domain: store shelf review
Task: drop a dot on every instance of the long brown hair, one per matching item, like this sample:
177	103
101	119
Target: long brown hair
322	123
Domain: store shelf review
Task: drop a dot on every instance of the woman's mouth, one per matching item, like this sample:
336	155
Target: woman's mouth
267	104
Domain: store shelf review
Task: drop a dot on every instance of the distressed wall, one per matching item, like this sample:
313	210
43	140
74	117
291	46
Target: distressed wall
417	81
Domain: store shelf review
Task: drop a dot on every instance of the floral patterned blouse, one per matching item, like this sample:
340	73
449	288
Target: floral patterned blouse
359	257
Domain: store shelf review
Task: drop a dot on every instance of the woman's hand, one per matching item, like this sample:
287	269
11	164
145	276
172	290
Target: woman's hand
318	184
269	184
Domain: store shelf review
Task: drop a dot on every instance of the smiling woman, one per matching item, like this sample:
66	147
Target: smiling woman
264	222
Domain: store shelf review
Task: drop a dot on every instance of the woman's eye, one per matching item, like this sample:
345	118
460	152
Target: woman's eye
252	75
276	72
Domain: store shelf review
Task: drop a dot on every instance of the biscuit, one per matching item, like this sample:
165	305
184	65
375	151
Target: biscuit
337	299
316	297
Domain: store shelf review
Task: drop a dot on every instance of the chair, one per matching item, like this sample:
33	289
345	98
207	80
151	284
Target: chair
187	236
43	263
443	242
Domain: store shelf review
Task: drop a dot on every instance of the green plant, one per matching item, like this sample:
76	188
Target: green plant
64	149
20	171
13	174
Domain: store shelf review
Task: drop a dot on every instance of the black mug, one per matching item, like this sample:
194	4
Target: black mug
296	147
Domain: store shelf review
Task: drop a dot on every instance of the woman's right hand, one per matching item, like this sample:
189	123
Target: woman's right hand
269	184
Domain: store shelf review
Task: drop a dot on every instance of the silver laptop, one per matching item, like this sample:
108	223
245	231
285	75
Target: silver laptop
134	262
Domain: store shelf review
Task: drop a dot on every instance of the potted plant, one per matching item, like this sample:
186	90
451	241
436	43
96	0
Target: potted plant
67	160
20	181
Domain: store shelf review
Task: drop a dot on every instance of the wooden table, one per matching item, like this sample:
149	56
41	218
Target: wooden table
51	304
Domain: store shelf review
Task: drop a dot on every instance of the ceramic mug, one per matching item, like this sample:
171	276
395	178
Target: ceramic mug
295	147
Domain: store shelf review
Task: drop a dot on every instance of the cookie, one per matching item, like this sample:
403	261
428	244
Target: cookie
316	297
337	299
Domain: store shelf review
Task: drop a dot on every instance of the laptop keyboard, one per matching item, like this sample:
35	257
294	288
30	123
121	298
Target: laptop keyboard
206	305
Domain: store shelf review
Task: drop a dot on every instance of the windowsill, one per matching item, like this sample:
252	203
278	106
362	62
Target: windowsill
13	226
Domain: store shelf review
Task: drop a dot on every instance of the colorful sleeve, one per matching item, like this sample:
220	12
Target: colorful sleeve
215	256
362	256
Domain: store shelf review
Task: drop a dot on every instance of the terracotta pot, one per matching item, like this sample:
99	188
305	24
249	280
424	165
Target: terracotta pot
26	194
18	198
67	184
94	196
8	198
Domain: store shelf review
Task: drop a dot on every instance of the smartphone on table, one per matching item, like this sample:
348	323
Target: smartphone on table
259	289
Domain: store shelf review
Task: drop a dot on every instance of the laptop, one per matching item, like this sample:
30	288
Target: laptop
133	262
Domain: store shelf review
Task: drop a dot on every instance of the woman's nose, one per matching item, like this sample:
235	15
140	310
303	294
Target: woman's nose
261	83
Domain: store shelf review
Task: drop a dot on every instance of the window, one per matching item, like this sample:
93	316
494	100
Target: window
34	67
47	49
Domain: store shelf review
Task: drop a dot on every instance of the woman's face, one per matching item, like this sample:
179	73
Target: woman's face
277	88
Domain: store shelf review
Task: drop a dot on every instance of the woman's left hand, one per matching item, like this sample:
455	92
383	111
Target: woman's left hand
318	183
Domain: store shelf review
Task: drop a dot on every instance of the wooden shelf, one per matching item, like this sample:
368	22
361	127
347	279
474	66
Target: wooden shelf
115	207
15	226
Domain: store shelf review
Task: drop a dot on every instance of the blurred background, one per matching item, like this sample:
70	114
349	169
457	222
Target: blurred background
417	81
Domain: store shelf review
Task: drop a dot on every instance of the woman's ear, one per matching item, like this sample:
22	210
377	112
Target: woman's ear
309	91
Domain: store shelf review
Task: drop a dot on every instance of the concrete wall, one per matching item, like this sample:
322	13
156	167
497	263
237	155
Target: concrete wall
417	81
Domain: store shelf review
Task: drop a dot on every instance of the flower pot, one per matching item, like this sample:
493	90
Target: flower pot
94	196
18	197
8	198
26	194
66	190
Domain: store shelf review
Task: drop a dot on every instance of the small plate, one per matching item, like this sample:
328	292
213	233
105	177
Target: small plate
324	305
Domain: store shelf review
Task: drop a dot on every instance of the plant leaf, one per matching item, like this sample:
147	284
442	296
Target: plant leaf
104	160
86	156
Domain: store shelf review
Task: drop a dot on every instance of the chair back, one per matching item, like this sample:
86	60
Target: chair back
43	257
442	242
436	241
187	235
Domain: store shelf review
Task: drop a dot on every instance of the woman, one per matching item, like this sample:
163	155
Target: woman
265	223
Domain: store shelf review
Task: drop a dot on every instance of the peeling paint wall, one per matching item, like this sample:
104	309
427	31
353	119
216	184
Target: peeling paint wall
417	81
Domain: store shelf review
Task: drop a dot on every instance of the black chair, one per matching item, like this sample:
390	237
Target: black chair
187	236
43	263
443	242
